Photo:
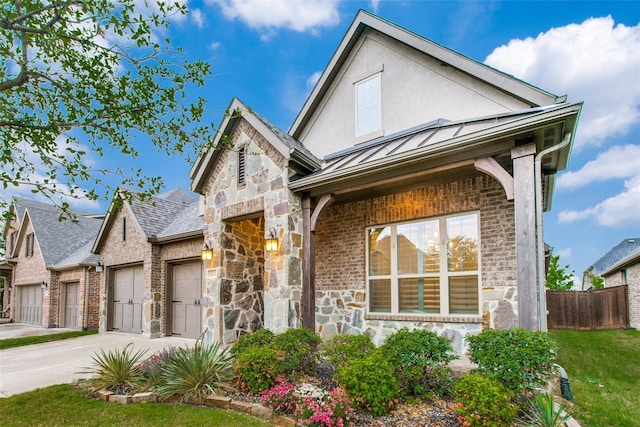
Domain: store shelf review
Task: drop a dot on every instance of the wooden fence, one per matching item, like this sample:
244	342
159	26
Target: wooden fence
606	308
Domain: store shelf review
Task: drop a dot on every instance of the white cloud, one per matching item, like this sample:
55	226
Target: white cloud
297	15
375	4
616	163
198	17
214	45
620	210
313	79
596	61
564	253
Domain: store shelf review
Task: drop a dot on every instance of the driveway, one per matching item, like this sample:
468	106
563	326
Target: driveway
59	362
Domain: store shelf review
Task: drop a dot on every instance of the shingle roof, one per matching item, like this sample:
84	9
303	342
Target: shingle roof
59	239
167	216
618	252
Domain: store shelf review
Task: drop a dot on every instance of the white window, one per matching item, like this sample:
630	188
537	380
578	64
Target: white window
424	267
368	105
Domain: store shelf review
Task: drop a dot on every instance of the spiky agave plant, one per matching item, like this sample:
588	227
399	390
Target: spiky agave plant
544	413
195	372
116	370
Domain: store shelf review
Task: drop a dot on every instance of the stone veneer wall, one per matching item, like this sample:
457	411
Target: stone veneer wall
341	258
263	195
241	288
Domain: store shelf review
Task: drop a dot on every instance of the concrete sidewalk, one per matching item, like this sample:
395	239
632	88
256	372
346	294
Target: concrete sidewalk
41	365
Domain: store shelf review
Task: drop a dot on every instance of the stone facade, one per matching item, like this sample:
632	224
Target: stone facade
262	203
341	259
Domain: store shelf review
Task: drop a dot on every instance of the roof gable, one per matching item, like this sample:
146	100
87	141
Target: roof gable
289	147
56	238
370	41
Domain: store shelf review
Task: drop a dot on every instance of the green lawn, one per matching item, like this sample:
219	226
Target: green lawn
64	405
19	342
604	373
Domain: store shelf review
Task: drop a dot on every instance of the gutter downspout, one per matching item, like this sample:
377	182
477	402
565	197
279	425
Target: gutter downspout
542	302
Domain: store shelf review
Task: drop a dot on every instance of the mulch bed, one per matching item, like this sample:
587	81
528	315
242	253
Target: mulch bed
437	413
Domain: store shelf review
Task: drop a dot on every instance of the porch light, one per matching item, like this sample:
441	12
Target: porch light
271	243
43	285
207	253
99	267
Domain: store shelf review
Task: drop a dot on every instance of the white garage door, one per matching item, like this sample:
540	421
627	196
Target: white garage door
185	299
128	295
30	304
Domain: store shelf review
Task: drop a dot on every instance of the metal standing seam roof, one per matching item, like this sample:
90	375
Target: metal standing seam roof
427	134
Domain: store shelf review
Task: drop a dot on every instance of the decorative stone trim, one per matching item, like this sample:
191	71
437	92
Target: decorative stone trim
423	318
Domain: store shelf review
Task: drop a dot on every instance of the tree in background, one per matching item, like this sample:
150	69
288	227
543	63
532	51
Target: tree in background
597	282
97	77
557	277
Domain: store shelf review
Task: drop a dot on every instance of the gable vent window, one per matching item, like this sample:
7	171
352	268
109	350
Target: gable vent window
124	229
28	250
368	105
12	243
241	166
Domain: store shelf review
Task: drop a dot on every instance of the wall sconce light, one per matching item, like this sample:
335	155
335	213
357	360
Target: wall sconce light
207	253
43	285
99	267
271	243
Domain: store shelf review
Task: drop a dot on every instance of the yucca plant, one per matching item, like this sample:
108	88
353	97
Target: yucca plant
543	413
116	370
194	373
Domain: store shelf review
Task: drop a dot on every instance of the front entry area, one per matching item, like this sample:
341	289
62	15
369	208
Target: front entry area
71	305
30	304
186	292
128	296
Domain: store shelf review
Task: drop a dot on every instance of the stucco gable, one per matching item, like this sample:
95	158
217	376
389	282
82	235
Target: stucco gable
420	81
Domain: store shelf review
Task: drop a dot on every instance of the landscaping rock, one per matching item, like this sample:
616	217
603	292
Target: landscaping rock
120	398
282	421
260	411
218	402
103	394
147	397
241	406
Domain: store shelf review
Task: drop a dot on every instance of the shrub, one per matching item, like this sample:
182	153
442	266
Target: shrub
196	372
520	359
116	370
419	359
258	338
296	350
257	368
370	383
542	412
483	401
151	368
342	348
332	409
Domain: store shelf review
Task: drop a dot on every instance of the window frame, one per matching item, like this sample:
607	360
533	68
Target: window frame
29	242
377	130
443	275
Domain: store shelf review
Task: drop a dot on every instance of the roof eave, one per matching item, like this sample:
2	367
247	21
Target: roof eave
445	148
187	235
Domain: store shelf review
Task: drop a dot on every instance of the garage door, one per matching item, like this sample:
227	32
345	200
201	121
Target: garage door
30	304
128	296
71	305
185	301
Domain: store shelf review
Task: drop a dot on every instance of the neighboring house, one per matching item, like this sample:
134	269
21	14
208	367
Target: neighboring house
407	193
621	266
49	266
152	282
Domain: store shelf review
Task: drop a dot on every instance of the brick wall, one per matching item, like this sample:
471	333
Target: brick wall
341	258
633	280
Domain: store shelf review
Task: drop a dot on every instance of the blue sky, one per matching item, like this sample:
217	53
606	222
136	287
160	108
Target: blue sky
268	53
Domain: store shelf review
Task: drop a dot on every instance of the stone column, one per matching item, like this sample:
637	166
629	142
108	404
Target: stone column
524	183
